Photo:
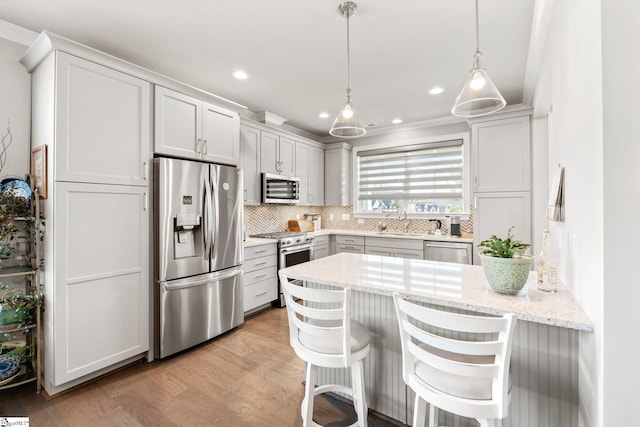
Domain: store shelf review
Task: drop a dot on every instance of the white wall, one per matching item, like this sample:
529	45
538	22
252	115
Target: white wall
621	96
572	81
15	94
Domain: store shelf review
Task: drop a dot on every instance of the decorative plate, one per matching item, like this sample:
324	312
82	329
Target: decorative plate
9	366
20	188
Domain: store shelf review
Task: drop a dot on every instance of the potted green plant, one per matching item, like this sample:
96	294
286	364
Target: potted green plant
505	262
11	207
16	306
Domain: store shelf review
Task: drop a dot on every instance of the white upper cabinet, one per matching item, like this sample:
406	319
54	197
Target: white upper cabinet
277	154
337	175
250	164
310	170
190	128
103	124
501	154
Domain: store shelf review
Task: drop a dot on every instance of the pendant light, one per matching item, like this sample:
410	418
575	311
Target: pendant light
345	125
479	96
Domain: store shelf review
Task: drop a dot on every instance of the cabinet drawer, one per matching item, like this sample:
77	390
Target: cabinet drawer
260	293
259	251
258	275
259	263
350	240
320	240
393	243
354	249
320	251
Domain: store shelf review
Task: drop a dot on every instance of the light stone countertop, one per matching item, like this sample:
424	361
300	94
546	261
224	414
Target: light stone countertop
445	284
259	241
467	238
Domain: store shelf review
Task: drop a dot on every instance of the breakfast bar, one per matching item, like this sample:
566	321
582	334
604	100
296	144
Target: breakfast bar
544	369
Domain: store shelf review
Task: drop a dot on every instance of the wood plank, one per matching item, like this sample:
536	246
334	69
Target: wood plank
247	377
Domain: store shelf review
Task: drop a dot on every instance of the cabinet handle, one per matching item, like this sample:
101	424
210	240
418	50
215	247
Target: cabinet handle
261	293
145	204
259	276
475	203
205	144
144	171
259	263
261	251
198	143
475	183
245	195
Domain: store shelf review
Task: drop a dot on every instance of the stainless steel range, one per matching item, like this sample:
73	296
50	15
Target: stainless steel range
293	248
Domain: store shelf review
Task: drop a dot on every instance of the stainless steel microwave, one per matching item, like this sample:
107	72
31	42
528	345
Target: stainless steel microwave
280	189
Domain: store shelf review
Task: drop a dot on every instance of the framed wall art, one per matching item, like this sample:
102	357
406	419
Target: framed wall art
39	169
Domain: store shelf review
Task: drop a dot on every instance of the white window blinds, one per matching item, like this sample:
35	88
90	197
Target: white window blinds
430	172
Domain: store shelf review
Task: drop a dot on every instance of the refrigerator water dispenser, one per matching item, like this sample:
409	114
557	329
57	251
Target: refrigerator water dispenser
187	225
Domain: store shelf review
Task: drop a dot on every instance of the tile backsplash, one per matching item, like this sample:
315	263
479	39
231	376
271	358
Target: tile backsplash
270	218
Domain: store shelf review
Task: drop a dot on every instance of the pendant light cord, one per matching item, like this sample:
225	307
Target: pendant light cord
477	54
348	57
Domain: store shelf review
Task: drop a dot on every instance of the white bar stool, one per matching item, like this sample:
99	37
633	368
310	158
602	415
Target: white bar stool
468	378
322	333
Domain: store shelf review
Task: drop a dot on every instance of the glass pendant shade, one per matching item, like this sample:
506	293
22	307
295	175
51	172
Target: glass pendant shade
479	96
345	125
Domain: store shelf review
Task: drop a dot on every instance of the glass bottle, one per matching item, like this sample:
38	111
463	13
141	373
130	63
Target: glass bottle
547	266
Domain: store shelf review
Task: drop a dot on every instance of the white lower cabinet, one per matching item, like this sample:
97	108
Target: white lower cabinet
260	276
320	247
398	248
100	265
351	244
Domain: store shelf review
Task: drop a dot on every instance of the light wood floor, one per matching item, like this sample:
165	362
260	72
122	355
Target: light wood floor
248	377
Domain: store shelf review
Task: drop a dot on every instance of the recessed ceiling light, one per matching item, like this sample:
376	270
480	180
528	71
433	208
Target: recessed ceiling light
436	90
396	121
323	115
240	75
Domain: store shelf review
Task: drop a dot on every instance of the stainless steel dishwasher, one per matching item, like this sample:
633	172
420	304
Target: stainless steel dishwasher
461	253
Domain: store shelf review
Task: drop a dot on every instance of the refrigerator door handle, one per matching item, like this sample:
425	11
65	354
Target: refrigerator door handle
183	284
206	232
214	211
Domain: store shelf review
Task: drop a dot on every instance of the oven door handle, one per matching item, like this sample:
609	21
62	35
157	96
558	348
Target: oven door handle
296	249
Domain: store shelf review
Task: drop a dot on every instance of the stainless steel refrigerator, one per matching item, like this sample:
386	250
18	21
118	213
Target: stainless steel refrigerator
198	256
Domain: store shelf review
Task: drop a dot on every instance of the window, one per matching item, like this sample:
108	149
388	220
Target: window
424	178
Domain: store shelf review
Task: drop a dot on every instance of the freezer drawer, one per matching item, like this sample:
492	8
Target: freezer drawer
198	308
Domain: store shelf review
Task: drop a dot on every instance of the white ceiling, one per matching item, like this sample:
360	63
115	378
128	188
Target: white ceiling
295	50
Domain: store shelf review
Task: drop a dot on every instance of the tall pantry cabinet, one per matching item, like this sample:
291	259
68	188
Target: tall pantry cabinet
501	176
97	123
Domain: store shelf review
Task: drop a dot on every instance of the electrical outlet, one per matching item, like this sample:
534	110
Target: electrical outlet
331	217
361	221
345	217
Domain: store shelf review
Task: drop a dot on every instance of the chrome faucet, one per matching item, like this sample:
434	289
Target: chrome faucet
406	220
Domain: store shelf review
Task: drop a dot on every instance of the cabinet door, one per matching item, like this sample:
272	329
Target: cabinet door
250	164
178	126
286	156
269	152
337	177
494	213
103	120
221	135
302	172
372	250
101	273
501	155
316	176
